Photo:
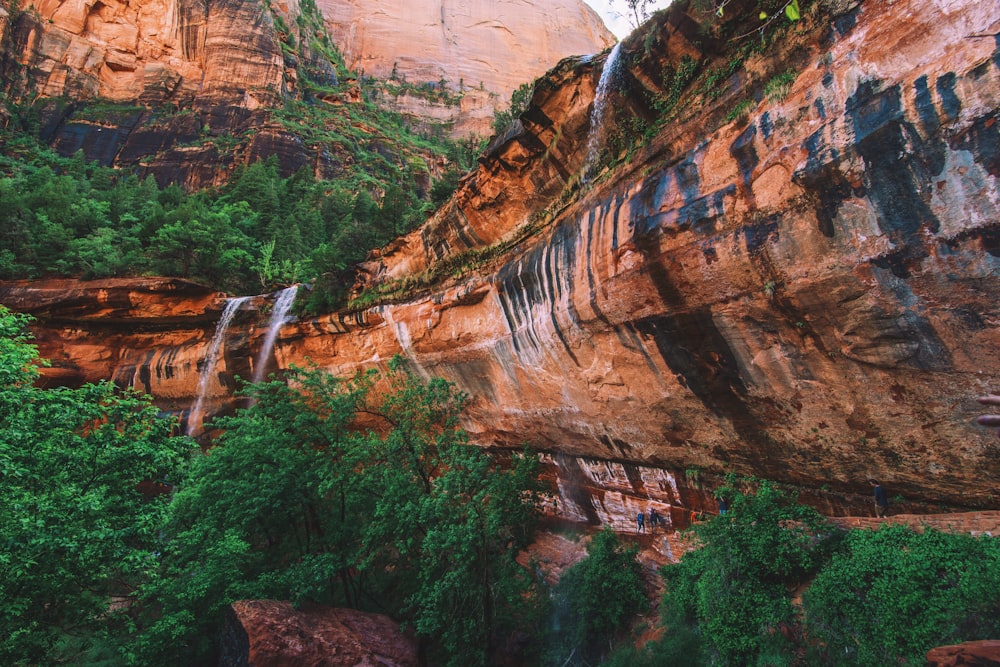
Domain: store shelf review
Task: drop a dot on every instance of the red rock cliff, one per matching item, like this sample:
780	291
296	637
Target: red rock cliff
806	293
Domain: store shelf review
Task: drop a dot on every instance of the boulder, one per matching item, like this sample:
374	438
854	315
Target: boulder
269	633
983	653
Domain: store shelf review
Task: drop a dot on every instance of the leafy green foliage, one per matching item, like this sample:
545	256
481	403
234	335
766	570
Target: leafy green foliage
402	516
890	595
519	101
735	588
76	531
594	600
65	216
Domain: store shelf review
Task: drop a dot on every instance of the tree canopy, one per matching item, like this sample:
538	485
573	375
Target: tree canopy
359	492
76	529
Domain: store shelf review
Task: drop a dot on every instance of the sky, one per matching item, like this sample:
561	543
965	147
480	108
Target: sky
615	14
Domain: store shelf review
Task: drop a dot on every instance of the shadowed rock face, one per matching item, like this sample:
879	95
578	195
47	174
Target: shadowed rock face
807	295
268	633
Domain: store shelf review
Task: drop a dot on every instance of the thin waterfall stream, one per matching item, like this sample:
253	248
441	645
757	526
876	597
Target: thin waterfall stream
282	306
599	113
194	423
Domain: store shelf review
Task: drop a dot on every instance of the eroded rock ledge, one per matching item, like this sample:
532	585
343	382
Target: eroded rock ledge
806	294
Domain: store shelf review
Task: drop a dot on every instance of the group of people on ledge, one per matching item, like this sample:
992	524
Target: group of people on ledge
654	520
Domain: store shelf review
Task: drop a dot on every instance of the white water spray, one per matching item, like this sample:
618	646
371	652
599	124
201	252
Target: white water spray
282	305
599	112
195	417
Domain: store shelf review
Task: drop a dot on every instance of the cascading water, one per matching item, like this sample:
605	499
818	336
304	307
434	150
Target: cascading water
211	359
599	112
282	305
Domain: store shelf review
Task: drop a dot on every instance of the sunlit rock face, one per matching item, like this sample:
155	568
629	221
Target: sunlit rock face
152	334
806	293
155	50
483	49
224	60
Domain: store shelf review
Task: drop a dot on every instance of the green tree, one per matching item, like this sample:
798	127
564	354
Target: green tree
519	101
456	521
595	600
295	501
638	11
76	532
888	596
735	588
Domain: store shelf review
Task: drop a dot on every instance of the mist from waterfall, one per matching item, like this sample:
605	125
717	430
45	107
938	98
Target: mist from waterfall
599	112
211	359
279	315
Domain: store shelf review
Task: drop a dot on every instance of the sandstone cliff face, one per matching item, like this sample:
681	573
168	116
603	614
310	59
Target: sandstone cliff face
484	49
153	51
231	61
806	294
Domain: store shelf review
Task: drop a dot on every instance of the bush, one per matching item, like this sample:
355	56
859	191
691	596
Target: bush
595	599
890	595
735	589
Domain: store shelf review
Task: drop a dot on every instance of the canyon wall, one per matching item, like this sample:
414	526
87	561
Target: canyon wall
232	61
484	50
804	291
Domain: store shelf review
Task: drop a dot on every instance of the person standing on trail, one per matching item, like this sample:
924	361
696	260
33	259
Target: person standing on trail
640	520
881	499
991	421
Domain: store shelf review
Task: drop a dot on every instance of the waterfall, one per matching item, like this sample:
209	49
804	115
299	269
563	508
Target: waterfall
211	359
282	305
599	112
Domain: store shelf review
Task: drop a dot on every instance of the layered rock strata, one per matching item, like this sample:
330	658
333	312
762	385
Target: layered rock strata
806	293
227	63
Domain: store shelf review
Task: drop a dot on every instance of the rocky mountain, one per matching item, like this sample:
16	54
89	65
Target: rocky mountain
481	50
187	89
777	260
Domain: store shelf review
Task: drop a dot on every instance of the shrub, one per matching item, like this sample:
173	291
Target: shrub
595	599
890	595
735	588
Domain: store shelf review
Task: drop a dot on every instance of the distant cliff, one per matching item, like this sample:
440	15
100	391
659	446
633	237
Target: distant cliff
484	50
195	85
782	263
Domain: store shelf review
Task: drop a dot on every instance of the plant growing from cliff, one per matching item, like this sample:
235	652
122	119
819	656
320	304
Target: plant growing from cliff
76	530
890	595
740	111
777	88
519	101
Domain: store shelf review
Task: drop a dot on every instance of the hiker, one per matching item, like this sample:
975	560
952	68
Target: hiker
654	518
640	520
723	505
881	500
992	421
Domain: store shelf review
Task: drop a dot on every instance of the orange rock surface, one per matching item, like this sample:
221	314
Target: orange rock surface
807	293
483	49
